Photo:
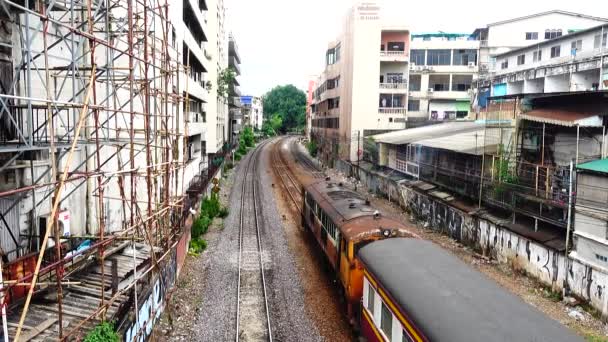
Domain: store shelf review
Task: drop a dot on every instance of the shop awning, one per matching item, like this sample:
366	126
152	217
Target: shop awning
564	117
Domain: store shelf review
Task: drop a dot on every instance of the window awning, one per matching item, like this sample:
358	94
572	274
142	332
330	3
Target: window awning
564	117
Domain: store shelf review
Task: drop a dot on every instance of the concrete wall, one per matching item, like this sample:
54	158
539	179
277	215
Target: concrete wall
488	236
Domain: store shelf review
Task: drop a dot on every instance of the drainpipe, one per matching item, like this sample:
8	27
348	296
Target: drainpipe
569	222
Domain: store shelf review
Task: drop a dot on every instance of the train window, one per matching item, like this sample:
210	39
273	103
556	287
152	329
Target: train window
405	337
370	299
386	321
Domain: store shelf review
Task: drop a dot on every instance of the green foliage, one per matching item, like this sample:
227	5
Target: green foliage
288	104
312	148
503	168
224	80
103	332
223	212
210	206
197	246
218	161
248	137
200	226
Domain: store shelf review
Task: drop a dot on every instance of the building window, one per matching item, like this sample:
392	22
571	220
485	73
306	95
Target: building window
370	298
601	257
555	51
413	105
531	35
386	321
396	46
417	56
599	37
537	56
551	34
504	64
464	57
461	114
576	46
415	82
394	77
438	57
521	59
173	38
390	120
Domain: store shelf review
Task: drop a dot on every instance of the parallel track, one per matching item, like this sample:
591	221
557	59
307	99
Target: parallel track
286	176
252	310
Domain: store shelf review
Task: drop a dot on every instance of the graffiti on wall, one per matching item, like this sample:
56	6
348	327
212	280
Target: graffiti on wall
152	303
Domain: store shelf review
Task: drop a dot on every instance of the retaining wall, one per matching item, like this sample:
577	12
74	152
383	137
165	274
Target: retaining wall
487	236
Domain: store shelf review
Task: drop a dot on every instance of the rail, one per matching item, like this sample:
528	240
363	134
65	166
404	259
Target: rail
251	164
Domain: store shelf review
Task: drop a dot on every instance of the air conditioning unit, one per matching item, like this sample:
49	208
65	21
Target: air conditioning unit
419	68
430	90
413	66
471	65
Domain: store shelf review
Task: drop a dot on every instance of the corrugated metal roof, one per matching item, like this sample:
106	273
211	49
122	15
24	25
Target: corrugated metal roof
469	142
600	165
565	117
428	132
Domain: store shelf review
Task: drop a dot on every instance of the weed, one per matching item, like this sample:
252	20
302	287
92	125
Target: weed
103	332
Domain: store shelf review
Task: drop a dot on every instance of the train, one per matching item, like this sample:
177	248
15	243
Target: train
413	290
398	287
342	222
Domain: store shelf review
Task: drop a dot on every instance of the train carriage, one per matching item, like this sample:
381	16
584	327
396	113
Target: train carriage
414	290
342	221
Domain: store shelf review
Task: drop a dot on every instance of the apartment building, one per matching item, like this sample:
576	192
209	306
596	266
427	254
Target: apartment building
501	37
443	67
234	93
363	90
572	62
253	111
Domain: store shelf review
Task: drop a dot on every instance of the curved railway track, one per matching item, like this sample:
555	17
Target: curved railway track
286	175
252	310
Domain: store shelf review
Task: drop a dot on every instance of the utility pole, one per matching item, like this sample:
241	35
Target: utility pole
569	222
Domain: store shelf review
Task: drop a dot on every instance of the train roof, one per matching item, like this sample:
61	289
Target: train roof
352	212
449	301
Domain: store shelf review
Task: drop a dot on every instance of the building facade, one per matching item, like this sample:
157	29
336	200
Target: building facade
572	62
443	67
234	93
253	111
363	90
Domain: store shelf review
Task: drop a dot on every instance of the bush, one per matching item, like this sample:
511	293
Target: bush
237	156
200	226
103	332
312	148
210	206
223	212
197	246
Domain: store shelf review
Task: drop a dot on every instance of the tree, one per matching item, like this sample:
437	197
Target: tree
289	104
224	80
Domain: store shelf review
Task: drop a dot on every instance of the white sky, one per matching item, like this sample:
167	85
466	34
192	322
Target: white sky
284	41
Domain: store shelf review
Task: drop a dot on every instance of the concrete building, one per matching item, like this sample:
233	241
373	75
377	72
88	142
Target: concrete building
572	62
501	37
363	90
253	111
234	93
443	67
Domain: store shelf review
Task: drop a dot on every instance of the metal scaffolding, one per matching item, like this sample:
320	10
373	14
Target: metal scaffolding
90	125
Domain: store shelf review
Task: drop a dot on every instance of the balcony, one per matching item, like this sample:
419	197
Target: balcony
394	56
392	110
234	90
232	62
234	102
393	87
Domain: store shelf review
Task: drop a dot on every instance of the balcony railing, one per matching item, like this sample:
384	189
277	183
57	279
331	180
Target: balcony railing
387	53
392	110
395	85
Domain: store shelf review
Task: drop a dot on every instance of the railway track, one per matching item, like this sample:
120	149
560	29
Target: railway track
308	164
286	176
252	311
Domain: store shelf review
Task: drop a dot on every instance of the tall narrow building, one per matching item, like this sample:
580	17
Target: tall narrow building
363	89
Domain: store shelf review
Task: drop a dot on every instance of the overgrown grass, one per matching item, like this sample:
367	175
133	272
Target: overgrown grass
210	209
103	332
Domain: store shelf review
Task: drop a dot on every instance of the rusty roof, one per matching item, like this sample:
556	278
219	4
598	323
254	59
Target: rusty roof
569	117
352	213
